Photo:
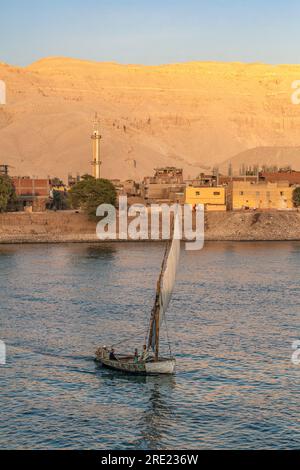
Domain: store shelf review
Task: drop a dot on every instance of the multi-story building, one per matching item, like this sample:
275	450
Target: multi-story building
31	193
164	193
247	195
213	197
166	186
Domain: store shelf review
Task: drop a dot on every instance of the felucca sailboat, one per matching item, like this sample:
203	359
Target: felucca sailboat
152	362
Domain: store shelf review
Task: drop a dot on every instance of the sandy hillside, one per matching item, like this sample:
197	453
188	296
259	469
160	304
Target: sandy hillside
192	115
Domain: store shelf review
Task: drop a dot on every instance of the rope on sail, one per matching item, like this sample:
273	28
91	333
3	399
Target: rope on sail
139	331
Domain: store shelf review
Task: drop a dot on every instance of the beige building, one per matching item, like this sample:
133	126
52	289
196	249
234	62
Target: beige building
247	195
166	175
164	193
166	186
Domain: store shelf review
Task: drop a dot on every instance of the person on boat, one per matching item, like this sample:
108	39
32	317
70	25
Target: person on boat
112	356
136	356
145	354
105	354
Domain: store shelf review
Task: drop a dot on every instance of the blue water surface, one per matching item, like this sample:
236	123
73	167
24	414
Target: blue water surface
232	321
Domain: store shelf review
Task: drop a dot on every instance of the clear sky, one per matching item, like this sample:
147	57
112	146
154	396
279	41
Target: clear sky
150	31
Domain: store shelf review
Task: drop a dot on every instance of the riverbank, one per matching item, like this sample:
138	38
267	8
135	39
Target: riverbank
71	227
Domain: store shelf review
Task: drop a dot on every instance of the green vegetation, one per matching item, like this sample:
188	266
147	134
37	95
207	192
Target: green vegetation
296	197
89	193
7	192
59	201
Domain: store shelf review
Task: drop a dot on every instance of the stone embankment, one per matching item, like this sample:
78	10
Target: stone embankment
71	227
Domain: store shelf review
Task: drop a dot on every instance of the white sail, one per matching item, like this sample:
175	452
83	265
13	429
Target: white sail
165	286
169	274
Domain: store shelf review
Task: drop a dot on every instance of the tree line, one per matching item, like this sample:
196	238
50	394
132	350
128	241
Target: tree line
86	195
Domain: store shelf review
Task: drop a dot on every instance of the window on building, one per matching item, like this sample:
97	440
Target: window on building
217	193
197	193
241	193
281	193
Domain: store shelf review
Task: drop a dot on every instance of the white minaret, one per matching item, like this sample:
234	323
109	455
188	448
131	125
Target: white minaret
96	137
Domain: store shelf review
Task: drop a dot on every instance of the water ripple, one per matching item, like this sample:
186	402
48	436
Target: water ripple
233	318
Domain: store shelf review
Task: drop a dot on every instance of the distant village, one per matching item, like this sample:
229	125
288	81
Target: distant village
252	189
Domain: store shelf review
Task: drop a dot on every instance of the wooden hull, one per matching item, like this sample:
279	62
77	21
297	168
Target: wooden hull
163	366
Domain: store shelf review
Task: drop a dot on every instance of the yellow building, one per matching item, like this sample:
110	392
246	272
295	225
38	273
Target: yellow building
213	198
262	195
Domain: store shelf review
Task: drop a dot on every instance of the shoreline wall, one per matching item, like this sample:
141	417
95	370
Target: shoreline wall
71	227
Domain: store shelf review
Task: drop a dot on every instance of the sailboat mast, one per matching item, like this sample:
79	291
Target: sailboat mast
157	332
155	315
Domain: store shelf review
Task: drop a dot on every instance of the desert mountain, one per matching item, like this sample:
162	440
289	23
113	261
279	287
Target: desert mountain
269	156
191	115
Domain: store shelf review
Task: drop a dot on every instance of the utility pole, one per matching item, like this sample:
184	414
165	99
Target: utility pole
96	137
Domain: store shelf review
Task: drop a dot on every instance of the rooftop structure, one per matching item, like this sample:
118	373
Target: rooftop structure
4	169
228	179
73	179
292	177
166	175
203	180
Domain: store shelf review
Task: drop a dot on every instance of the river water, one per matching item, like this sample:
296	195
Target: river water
232	321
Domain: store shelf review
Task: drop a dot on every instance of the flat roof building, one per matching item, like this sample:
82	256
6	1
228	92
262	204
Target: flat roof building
31	192
247	195
213	197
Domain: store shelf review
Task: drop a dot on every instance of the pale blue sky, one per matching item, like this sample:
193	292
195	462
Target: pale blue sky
150	32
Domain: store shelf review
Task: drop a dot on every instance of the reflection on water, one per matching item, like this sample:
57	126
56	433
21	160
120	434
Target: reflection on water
158	412
233	318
